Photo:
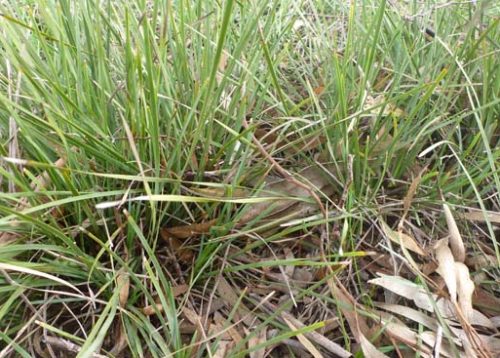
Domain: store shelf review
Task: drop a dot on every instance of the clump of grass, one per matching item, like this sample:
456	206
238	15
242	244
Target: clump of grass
105	101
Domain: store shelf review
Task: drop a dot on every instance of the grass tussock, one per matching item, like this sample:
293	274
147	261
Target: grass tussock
249	178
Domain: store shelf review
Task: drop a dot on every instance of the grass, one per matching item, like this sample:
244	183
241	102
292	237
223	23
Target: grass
122	123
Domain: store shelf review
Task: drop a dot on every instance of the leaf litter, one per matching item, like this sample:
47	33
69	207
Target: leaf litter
301	196
396	323
464	304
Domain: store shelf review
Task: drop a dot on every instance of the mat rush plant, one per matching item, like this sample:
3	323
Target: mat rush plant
249	178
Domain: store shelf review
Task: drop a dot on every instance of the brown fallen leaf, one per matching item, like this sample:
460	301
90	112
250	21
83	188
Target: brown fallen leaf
216	330
319	90
120	339
195	319
289	269
495	321
221	67
479	346
191	315
456	242
480	260
292	206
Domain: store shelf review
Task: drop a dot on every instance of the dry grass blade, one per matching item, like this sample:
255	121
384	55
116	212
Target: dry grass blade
456	242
